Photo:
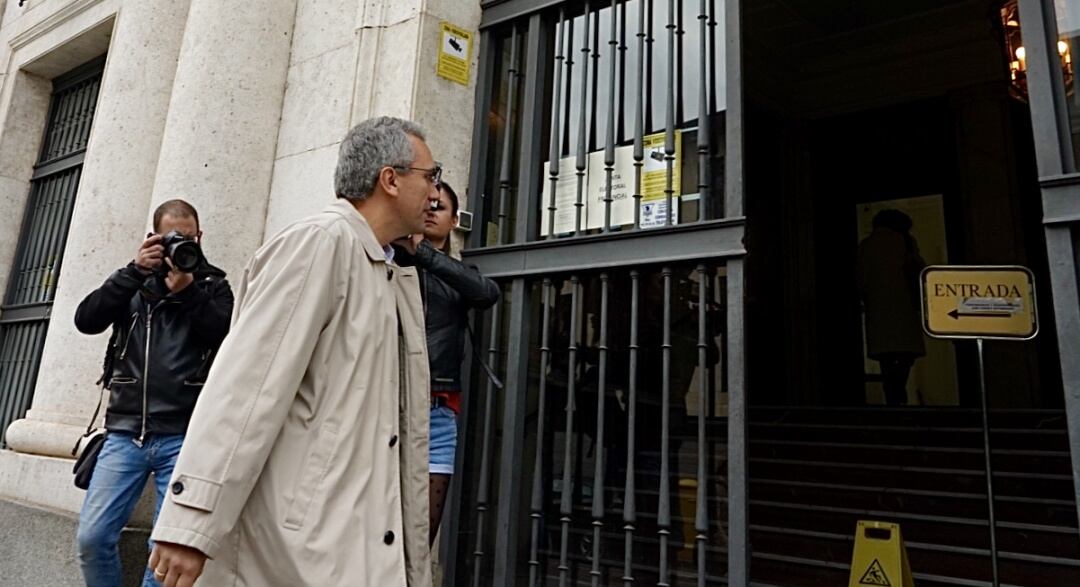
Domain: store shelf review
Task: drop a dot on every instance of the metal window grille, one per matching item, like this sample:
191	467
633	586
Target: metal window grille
24	316
616	452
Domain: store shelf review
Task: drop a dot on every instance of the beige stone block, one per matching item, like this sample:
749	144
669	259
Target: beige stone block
385	13
23	124
387	71
315	112
303	185
322	26
48	482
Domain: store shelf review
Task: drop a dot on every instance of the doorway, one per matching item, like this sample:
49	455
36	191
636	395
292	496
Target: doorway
859	108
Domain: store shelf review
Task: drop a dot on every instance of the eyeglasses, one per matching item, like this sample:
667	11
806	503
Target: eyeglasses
434	175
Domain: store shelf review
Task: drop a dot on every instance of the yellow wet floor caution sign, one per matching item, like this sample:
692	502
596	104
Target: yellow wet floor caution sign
879	559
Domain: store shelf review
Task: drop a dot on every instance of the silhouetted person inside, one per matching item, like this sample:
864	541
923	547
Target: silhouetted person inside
887	270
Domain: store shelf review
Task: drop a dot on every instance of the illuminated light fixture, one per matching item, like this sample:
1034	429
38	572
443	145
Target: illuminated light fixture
1010	20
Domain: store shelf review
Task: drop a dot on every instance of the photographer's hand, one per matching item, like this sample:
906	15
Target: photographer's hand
177	280
150	254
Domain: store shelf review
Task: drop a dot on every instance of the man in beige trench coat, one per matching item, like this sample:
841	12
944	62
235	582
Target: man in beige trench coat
306	460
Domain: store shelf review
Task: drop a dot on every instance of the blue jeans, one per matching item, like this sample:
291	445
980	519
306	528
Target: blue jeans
118	480
443	444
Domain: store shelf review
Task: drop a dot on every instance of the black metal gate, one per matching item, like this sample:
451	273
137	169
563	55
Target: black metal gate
24	316
606	187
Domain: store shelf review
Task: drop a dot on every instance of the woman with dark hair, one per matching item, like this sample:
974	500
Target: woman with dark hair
449	289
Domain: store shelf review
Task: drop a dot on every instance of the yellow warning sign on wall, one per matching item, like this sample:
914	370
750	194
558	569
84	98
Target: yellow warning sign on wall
455	53
979	302
879	559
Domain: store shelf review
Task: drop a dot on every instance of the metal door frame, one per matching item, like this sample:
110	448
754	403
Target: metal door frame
1059	181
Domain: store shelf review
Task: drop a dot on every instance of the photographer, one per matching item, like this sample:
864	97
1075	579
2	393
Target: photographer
169	311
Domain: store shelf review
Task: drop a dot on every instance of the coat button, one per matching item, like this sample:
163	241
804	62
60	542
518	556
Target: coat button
388	538
177	488
393	440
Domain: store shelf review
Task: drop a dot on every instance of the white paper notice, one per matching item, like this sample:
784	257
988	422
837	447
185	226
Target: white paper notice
622	188
565	198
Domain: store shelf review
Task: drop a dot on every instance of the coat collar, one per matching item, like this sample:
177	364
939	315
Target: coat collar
360	224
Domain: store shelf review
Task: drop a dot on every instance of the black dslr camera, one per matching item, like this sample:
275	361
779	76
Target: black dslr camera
183	250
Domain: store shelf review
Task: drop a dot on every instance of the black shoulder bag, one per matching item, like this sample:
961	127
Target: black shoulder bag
91	443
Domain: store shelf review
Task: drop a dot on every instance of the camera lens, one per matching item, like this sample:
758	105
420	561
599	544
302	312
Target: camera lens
185	256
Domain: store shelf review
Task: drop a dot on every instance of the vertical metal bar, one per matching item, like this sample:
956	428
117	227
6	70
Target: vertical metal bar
478	168
73	101
701	521
582	146
712	56
622	69
485	452
639	115
989	466
609	148
594	103
555	145
566	506
56	125
513	432
648	53
61	183
20	277
680	95
1046	88
35	260
508	135
60	244
568	104
669	136
703	138
738	539
8	352
664	509
629	504
66	184
598	471
536	505
733	132
95	88
537	85
81	106
74	104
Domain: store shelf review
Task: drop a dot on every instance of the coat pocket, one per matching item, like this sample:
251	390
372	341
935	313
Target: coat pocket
311	474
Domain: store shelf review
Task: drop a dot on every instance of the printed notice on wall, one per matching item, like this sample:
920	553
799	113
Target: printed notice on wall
622	188
654	174
455	53
565	198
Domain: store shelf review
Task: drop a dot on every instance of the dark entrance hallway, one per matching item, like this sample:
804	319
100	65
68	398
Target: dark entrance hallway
852	109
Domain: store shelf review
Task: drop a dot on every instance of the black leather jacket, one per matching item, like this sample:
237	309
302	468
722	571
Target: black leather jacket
449	288
161	348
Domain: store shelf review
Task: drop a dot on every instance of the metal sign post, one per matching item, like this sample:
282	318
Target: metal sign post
980	303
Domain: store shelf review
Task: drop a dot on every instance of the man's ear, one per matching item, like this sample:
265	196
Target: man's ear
388	180
198	237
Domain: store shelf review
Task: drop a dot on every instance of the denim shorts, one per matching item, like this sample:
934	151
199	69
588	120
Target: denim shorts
443	440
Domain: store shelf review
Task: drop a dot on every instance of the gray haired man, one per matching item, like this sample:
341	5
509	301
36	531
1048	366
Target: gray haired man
306	460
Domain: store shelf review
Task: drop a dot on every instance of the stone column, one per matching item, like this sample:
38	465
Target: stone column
109	218
222	129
